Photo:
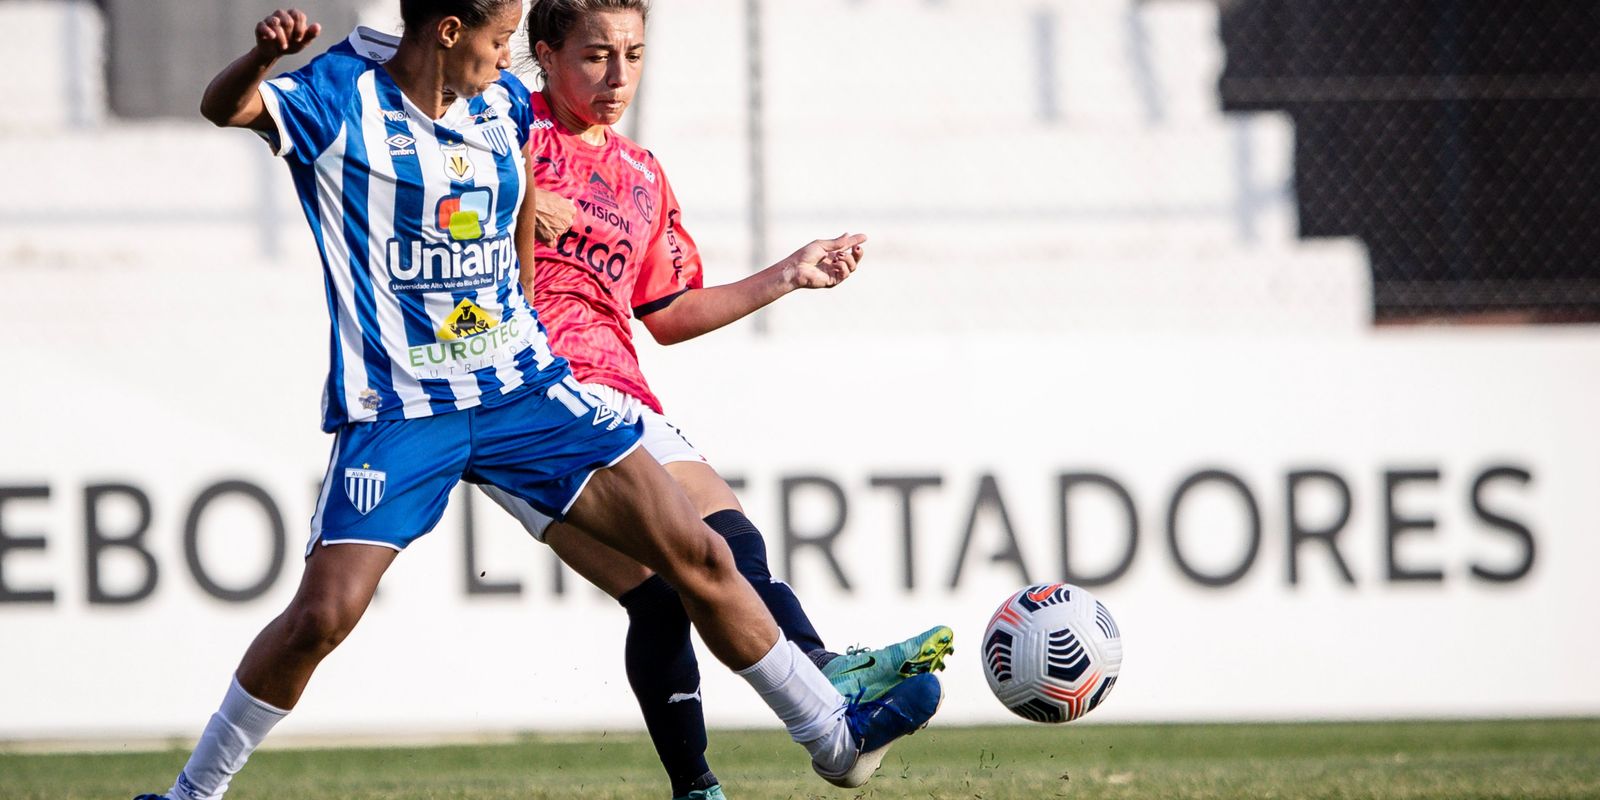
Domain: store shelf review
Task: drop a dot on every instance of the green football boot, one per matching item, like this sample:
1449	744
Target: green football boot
712	793
862	674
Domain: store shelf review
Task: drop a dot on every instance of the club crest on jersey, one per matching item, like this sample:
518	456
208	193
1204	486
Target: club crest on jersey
457	164
646	203
364	487
498	140
370	400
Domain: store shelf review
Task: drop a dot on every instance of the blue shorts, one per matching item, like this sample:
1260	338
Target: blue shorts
388	481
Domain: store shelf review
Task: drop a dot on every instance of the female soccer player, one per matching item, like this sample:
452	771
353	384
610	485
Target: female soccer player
627	254
408	158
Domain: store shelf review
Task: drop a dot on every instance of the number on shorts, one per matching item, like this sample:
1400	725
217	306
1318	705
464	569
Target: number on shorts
568	392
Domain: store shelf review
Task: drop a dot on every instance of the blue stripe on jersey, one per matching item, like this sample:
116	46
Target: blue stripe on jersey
506	218
357	238
488	383
527	363
509	180
375	318
408	199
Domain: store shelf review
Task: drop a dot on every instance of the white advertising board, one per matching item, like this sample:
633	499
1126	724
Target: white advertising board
1401	523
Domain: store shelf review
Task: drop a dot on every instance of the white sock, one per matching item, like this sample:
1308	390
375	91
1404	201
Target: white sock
811	709
229	738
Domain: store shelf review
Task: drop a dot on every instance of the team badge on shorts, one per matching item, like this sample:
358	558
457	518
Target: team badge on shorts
364	487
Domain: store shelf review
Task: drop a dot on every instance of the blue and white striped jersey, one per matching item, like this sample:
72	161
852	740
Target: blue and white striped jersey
414	220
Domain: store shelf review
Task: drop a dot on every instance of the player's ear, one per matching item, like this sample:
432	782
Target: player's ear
544	55
450	29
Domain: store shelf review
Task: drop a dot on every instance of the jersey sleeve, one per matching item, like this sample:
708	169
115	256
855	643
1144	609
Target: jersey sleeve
671	265
521	107
305	114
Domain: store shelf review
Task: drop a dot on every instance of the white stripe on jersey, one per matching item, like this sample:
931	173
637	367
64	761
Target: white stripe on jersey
430	158
487	175
317	110
330	209
380	227
284	143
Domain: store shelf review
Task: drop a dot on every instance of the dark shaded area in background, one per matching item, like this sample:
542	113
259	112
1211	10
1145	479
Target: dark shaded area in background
162	53
1459	140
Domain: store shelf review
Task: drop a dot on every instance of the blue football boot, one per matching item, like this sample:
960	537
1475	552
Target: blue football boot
876	724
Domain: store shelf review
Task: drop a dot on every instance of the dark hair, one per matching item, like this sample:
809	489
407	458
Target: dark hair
550	21
472	13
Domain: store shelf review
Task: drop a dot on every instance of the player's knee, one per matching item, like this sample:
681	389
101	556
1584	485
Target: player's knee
317	626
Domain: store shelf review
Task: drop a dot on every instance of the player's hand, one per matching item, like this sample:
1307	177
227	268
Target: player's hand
552	215
284	33
825	263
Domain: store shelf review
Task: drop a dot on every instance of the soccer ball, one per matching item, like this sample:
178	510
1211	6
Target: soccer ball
1052	653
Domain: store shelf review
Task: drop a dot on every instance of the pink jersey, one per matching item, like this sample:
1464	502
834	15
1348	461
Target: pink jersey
626	255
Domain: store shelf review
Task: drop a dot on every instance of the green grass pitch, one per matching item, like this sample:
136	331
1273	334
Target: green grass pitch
1520	760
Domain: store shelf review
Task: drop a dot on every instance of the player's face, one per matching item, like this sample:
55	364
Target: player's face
479	55
593	76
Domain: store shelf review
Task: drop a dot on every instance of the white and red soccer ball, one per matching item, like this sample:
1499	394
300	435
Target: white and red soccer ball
1052	652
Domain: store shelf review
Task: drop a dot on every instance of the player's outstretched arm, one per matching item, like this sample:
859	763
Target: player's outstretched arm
822	264
233	99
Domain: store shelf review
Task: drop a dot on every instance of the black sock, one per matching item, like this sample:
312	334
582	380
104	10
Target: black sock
661	665
750	554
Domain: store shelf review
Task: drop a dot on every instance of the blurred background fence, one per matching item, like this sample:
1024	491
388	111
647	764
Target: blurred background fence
1455	139
1451	139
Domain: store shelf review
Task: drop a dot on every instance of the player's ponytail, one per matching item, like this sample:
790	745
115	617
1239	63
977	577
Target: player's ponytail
550	21
472	13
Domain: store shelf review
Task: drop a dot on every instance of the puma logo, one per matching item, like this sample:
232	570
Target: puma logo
680	697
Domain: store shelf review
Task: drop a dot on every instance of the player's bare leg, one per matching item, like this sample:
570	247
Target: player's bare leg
636	508
602	565
335	590
704	487
658	658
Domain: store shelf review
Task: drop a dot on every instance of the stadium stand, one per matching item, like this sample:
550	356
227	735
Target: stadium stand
1075	151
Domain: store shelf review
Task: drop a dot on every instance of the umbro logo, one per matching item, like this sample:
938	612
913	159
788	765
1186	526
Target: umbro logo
401	145
603	415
